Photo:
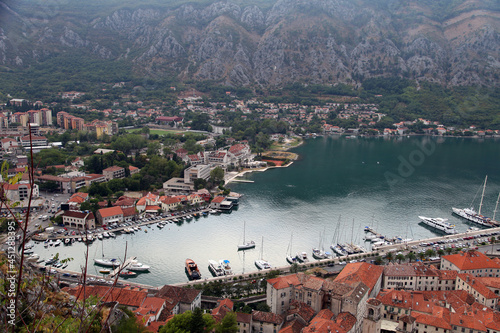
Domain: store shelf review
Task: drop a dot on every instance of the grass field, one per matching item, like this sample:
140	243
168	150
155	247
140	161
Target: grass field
155	131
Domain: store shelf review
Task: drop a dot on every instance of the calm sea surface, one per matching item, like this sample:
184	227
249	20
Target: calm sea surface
336	188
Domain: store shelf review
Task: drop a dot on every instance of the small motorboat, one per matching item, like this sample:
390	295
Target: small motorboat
127	274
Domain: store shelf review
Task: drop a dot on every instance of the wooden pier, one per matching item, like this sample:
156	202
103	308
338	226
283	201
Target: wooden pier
121	267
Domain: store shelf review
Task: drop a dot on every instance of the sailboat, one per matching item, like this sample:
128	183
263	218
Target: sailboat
471	215
108	262
261	263
317	253
291	259
246	245
336	247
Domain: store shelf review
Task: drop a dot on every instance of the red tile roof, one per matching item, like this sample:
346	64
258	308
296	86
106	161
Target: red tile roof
113	168
267	317
179	294
367	273
218	199
110	211
123	296
477	285
471	260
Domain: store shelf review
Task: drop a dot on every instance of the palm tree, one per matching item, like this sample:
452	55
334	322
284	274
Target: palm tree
430	253
421	256
389	256
440	252
411	256
400	257
448	250
378	260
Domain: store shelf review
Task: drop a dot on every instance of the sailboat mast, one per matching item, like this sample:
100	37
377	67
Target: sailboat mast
482	195
496	207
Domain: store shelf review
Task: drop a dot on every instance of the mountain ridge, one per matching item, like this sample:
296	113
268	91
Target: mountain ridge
317	41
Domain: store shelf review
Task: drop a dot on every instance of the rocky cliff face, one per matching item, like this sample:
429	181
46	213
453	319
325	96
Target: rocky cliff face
316	41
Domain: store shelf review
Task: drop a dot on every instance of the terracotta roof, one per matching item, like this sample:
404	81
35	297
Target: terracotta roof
492	282
79	215
171	200
296	280
155	326
151	305
113	168
124	202
267	317
218	199
409	269
471	260
110	211
243	317
79	197
123	296
367	273
440	317
293	326
374	301
306	312
184	295
476	284
129	211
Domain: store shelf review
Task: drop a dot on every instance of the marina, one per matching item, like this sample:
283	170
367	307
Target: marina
297	199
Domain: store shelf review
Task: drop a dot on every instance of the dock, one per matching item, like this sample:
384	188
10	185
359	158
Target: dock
242	181
123	266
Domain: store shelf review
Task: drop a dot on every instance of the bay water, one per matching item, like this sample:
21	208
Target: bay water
337	187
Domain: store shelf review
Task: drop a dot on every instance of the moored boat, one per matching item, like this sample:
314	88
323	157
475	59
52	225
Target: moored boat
127	274
319	254
475	217
138	267
226	267
302	257
439	223
113	262
215	268
262	264
192	270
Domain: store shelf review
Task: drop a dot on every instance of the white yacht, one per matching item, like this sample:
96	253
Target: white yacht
226	267
113	262
138	267
215	268
302	257
439	224
262	264
471	215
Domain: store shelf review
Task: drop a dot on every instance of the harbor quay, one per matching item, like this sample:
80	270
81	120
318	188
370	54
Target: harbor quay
403	247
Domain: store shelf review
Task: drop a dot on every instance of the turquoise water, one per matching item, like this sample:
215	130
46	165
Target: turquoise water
350	183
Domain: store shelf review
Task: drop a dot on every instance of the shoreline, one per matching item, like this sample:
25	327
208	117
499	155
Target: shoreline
240	174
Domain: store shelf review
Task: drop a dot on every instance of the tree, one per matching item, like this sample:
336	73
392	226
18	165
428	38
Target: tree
430	253
217	175
182	323
400	257
411	256
197	324
228	324
389	256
